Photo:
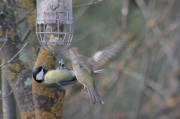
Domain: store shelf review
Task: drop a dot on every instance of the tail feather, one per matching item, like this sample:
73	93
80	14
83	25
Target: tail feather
94	95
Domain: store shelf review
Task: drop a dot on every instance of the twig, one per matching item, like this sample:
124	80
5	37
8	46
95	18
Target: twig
19	22
14	55
92	3
168	51
124	11
142	85
143	8
19	7
12	89
26	34
112	14
150	82
4	41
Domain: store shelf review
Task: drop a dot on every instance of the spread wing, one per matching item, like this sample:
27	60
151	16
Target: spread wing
102	57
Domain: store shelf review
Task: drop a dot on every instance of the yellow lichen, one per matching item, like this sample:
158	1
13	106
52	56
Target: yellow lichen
42	90
45	58
11	34
30	10
11	31
15	66
8	74
25	65
28	115
12	37
27	4
58	107
32	20
44	115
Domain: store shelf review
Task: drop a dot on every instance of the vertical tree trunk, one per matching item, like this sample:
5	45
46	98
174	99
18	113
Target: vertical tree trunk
9	106
16	70
49	102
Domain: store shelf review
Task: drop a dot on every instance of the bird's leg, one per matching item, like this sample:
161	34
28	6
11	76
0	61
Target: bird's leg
85	92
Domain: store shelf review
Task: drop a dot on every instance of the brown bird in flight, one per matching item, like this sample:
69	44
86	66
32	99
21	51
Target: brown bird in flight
84	67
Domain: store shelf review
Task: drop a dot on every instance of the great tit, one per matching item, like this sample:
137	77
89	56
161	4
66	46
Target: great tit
83	67
61	76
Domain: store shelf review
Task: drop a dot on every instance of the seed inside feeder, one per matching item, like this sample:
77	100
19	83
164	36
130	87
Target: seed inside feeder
55	44
51	10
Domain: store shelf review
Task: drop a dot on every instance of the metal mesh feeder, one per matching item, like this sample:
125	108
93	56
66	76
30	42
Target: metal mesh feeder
54	24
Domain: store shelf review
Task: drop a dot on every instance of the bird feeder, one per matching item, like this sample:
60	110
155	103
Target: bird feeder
54	24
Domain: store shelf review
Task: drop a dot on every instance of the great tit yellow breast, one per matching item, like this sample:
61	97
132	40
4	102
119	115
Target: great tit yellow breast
55	76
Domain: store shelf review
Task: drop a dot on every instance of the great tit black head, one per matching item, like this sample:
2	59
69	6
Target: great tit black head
39	73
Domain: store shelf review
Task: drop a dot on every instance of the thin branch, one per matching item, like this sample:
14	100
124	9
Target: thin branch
142	85
20	21
26	34
14	55
157	87
86	5
114	17
125	11
12	89
143	8
19	7
168	51
32	44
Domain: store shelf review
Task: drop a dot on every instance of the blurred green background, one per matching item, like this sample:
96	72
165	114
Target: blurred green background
143	82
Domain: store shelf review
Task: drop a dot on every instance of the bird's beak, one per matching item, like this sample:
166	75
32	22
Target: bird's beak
61	62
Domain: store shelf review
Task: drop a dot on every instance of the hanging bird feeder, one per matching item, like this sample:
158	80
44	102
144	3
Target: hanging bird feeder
54	24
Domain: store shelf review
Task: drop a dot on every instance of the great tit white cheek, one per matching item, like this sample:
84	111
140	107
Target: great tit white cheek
40	75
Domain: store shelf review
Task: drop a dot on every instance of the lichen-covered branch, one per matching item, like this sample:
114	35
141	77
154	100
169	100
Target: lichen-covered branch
49	102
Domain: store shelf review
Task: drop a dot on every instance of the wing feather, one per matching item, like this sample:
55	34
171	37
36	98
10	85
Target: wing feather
108	53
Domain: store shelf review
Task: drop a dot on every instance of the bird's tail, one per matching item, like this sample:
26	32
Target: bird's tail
94	95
